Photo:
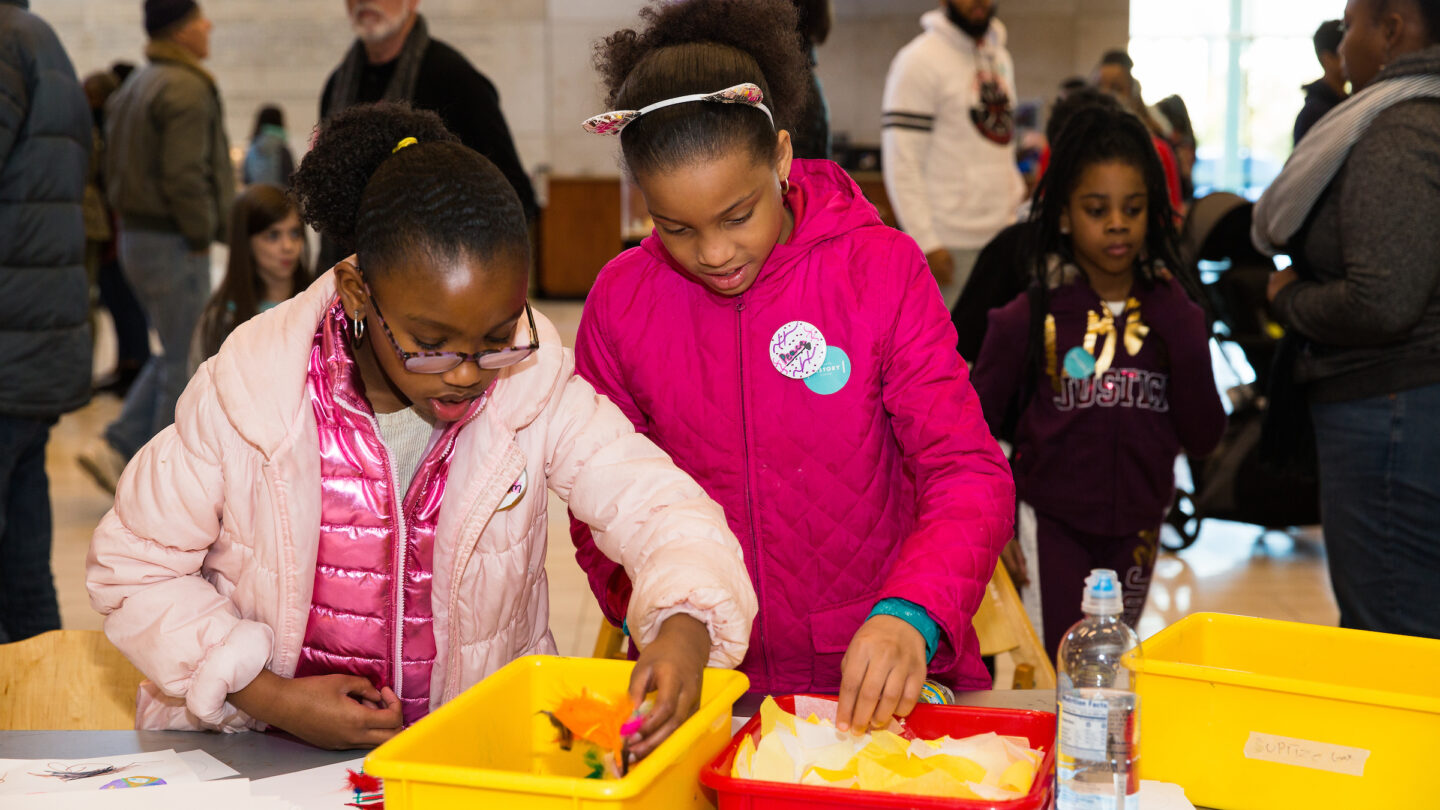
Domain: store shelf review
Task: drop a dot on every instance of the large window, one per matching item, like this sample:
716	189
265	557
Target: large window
1239	65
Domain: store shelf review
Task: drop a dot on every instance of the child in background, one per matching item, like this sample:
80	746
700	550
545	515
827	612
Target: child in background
268	159
793	354
268	264
1106	359
346	525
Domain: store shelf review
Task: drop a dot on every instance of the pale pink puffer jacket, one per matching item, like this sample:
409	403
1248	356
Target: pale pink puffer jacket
204	568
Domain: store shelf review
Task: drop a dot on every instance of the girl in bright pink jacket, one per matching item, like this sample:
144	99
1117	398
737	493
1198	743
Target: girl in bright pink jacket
346	525
793	354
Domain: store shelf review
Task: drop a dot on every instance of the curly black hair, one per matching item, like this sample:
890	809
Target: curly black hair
1430	13
437	197
1068	103
701	46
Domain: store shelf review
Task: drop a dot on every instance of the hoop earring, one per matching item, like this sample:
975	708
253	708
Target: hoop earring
784	186
357	330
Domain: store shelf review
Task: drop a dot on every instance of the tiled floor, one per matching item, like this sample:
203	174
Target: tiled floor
1231	569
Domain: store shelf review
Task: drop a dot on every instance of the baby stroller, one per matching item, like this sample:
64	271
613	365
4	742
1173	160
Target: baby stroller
1233	483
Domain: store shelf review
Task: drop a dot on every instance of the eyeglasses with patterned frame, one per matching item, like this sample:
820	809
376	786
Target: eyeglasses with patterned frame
441	362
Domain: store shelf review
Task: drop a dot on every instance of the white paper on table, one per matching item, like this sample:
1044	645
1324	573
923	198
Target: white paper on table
206	767
17	776
1163	796
231	794
323	788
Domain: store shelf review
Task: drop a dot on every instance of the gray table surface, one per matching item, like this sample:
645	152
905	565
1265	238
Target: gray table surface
258	756
253	754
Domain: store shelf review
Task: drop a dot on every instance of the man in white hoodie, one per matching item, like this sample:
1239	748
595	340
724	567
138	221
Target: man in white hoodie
949	127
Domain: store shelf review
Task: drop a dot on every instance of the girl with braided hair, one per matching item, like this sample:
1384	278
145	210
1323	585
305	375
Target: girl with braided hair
1106	360
346	525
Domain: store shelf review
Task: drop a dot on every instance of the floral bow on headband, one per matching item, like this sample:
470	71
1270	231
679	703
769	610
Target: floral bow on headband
612	122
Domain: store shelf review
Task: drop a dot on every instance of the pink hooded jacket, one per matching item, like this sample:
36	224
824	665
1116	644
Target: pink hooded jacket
890	486
204	568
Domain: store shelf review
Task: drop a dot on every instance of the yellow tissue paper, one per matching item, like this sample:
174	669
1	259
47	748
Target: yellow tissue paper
962	769
826	777
771	714
1019	776
772	763
831	757
744	755
812	752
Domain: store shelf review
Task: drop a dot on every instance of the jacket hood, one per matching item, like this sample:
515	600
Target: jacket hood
936	22
259	375
1424	62
826	203
161	50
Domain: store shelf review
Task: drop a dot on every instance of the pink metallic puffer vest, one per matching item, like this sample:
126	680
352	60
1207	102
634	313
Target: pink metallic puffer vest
367	582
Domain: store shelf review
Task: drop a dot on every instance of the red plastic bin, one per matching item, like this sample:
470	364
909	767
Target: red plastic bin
926	721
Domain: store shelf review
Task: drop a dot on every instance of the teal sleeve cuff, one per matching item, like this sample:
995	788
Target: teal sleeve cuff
916	617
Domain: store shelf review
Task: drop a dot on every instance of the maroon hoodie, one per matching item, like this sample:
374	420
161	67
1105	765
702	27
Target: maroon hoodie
1098	452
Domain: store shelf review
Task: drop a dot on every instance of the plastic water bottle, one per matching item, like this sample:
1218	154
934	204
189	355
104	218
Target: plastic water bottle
1099	710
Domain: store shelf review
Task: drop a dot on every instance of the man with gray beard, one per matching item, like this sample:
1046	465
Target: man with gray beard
394	59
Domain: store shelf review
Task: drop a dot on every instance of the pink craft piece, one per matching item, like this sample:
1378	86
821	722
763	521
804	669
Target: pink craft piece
739	94
610	123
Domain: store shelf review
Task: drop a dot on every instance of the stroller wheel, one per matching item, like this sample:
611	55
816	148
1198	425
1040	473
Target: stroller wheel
1184	521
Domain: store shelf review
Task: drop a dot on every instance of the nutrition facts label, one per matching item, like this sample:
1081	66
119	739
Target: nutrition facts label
1085	728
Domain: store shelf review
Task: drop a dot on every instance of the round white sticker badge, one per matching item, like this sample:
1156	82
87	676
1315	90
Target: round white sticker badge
515	493
797	349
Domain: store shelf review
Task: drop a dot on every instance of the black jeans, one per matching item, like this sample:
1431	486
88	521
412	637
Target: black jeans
28	605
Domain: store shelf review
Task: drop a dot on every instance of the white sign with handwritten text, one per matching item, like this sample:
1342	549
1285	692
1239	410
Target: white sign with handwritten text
1306	754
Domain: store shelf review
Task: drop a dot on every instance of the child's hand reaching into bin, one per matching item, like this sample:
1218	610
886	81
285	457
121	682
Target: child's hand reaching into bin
881	674
671	666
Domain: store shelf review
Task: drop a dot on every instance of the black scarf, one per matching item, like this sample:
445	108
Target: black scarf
402	83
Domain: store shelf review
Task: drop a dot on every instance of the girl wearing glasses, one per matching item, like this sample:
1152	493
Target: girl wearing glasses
795	356
346	525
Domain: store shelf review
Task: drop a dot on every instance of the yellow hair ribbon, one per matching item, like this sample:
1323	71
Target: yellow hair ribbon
1050	364
1135	329
1098	327
404	142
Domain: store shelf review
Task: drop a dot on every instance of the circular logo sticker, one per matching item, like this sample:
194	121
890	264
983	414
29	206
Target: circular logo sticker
833	374
133	782
797	349
1079	363
514	494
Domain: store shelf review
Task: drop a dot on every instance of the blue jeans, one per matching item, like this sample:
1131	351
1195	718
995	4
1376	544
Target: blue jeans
28	605
172	285
1380	506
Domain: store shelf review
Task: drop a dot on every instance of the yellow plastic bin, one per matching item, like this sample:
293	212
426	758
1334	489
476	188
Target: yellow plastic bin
490	748
1256	714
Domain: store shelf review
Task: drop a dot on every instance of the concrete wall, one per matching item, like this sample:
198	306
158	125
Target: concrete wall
537	52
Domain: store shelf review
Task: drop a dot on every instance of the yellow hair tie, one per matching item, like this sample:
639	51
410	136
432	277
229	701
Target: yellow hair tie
404	142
